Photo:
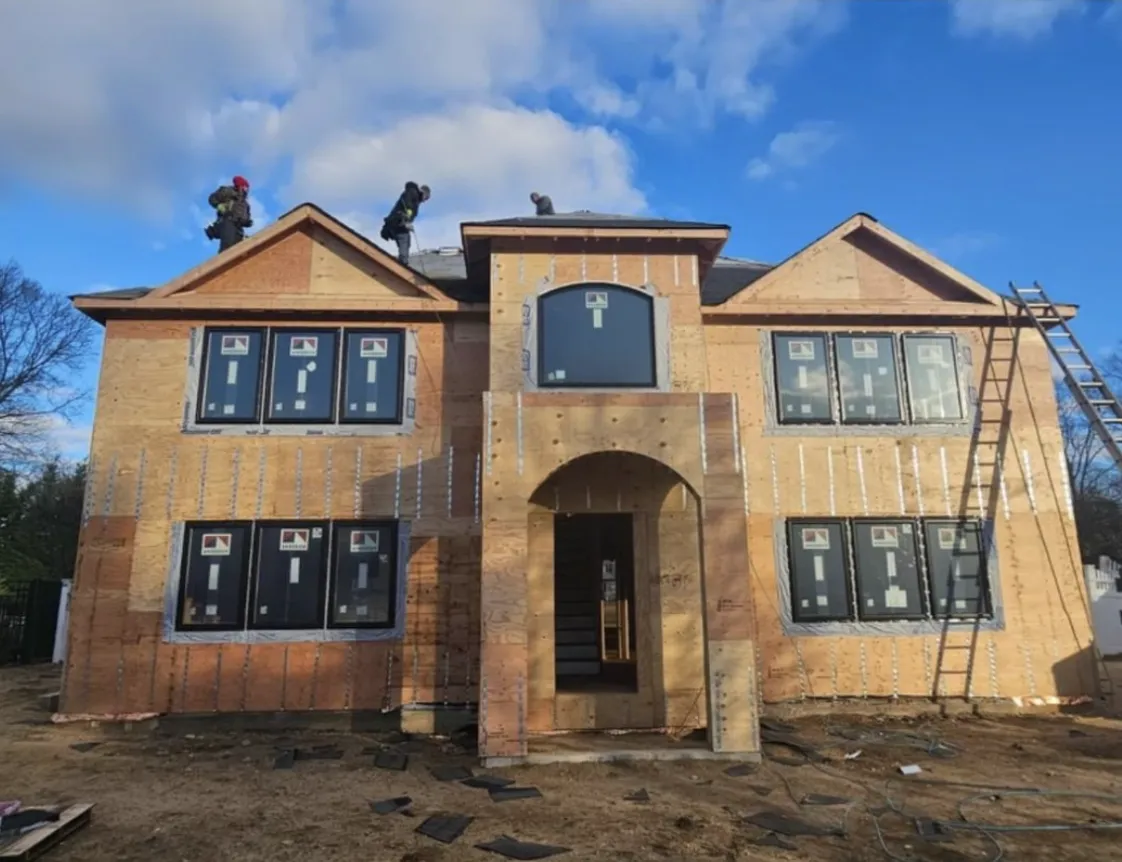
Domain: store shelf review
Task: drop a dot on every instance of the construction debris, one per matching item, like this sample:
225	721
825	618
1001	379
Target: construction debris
391	806
506	794
32	840
444	828
512	848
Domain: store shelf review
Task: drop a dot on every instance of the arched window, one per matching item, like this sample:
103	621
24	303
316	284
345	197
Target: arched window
592	335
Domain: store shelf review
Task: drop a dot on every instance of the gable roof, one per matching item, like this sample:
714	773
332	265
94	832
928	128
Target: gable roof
299	216
587	219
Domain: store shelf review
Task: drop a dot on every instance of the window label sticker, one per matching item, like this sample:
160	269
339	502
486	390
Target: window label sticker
303	345
210	611
597	318
213	575
596	299
800	351
364	541
865	348
293	540
373	348
815	539
950	539
215	545
232	372
885	537
235	345
896	598
930	354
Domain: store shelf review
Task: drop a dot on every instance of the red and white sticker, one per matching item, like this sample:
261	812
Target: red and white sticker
293	540
373	348
235	345
215	545
885	537
364	541
303	345
816	539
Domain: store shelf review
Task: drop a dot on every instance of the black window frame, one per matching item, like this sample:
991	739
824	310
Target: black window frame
394	528
847	553
204	372
831	386
189	527
606	287
985	576
918	553
255	572
343	367
901	397
271	373
963	409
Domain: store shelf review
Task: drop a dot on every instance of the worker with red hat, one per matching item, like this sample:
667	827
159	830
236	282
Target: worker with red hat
231	203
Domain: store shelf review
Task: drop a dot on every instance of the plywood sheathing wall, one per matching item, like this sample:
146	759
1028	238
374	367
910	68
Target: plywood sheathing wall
145	475
530	435
1044	651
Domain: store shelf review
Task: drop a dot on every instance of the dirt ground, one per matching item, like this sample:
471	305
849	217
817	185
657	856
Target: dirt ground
214	795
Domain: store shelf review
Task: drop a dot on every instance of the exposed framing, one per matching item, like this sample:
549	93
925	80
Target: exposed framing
407	390
886	628
531	358
325	633
964	367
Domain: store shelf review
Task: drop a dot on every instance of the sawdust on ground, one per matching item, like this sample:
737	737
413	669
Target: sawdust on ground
215	796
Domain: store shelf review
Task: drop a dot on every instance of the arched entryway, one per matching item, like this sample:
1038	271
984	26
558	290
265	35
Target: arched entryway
614	583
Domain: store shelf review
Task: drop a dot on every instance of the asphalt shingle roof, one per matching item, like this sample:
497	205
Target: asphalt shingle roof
591	219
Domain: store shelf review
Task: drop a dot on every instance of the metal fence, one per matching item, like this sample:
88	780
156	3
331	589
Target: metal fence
28	618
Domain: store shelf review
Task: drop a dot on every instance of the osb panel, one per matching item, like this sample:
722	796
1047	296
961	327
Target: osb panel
283	266
338	270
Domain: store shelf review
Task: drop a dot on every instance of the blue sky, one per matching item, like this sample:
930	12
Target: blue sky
984	130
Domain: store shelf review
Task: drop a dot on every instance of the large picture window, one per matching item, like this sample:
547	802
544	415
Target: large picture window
596	335
855	379
290	575
869	569
289	376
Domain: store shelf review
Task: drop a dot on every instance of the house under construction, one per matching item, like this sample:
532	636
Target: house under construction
583	473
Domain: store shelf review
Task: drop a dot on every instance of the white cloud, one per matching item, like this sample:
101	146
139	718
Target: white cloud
142	103
1018	19
799	148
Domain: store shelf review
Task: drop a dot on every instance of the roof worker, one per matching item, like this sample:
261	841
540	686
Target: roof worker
398	225
231	205
543	203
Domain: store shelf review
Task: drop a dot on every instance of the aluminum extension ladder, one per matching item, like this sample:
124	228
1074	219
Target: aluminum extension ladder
1094	396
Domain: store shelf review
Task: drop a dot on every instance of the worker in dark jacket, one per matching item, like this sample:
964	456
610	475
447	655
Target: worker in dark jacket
542	203
231	205
399	223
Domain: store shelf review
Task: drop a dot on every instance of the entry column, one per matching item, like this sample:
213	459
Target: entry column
729	618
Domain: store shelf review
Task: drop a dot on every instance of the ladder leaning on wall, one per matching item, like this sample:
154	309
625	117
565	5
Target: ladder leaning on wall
1091	392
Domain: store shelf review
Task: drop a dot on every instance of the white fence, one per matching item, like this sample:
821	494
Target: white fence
1104	588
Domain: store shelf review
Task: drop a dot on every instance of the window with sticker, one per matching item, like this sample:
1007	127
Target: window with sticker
932	378
867	378
230	385
288	586
373	376
302	381
802	378
886	563
819	563
363	575
212	579
596	335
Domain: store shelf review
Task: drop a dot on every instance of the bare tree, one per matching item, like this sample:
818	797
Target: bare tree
44	343
1087	462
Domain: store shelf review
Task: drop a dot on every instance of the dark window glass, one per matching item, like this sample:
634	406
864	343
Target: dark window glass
232	378
801	378
372	381
596	335
956	569
932	378
289	582
867	378
212	588
303	376
888	585
819	571
364	575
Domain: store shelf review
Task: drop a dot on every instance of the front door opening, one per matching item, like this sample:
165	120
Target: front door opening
594	602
